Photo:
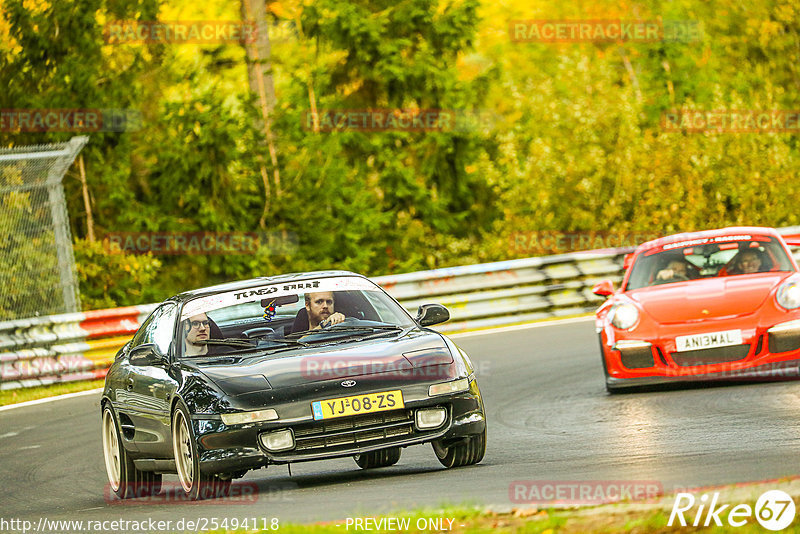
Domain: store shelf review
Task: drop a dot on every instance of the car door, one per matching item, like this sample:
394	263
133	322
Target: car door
150	387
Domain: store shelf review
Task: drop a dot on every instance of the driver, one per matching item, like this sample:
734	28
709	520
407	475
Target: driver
196	328
749	261
676	269
320	308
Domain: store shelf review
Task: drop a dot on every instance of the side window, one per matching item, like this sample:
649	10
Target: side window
164	327
158	328
141	334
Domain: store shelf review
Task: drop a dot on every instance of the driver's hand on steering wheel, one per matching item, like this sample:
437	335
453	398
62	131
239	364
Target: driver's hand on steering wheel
666	274
335	318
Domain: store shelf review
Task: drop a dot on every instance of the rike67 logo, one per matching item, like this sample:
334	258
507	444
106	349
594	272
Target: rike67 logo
774	510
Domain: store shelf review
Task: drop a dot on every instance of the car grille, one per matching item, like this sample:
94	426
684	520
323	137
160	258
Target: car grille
638	358
711	356
783	343
349	432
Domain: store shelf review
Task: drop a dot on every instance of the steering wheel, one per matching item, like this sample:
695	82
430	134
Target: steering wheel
259	331
675	278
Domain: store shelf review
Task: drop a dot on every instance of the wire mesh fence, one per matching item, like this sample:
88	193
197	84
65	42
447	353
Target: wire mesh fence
37	268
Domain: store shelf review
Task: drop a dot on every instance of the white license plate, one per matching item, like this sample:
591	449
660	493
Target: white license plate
710	340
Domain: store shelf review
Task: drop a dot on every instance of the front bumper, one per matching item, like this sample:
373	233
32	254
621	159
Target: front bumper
234	449
787	370
770	351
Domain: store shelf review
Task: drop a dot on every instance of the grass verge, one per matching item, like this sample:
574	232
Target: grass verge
606	519
14	396
638	517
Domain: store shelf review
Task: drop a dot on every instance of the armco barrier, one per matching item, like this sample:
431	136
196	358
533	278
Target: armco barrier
64	348
79	346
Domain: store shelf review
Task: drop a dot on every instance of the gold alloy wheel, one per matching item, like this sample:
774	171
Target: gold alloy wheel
182	448
111	449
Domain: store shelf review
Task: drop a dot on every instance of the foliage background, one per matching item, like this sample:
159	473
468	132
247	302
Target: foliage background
566	136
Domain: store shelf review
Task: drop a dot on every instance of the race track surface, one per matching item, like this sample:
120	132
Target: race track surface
549	419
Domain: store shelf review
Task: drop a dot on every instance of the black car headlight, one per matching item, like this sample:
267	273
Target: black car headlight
445	388
429	418
788	294
279	440
249	417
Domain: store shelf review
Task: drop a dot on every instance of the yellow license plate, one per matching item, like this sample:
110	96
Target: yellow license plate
357	404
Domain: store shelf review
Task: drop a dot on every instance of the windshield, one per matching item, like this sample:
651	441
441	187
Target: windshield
284	316
708	258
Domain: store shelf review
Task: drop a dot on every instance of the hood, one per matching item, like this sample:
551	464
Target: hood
236	375
708	298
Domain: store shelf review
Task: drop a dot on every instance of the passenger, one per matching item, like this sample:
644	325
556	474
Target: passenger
320	307
196	328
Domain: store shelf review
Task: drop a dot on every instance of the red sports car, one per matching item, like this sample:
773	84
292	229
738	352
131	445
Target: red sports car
720	304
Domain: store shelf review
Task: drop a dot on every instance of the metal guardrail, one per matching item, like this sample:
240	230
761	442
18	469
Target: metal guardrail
80	346
508	292
65	348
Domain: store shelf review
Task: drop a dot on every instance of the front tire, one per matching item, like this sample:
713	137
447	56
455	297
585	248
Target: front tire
609	388
125	480
381	458
195	484
468	452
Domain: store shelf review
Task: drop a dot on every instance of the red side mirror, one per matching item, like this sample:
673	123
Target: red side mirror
604	288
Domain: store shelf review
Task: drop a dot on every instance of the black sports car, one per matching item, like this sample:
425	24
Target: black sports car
284	369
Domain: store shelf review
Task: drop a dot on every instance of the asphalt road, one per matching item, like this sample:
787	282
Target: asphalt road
549	419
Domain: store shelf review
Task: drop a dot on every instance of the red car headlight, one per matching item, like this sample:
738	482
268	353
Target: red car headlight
624	316
788	294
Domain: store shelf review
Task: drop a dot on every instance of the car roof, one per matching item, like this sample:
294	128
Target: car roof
260	281
719	232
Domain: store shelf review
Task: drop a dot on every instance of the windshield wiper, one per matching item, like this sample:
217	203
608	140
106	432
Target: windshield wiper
288	341
343	328
252	343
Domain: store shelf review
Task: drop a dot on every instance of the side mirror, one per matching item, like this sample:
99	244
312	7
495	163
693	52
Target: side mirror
147	354
430	314
604	288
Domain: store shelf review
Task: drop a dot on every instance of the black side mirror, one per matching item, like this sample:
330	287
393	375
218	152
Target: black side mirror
430	314
147	354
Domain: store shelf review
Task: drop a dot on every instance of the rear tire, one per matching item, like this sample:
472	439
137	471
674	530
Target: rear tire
468	452
195	484
125	480
381	458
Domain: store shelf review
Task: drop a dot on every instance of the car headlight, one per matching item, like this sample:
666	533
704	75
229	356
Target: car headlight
788	295
445	388
249	417
280	440
624	316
